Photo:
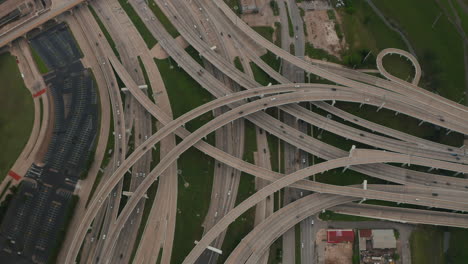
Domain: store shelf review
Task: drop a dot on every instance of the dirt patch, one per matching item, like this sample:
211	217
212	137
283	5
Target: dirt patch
328	253
264	17
321	32
341	253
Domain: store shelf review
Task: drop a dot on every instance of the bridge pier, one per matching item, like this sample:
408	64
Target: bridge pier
380	107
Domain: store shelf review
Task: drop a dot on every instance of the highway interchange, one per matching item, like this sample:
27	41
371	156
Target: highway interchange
199	24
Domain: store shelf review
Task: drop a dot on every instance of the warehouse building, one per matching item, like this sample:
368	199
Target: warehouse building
383	238
376	239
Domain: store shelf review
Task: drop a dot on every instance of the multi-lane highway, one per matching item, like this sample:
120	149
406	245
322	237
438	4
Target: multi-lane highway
356	157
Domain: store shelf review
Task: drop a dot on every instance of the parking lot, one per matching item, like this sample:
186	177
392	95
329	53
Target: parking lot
36	214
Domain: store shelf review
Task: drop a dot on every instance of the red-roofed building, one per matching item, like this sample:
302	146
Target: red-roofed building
365	233
340	235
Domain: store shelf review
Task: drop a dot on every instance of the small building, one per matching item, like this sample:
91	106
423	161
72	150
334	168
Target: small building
340	235
383	238
365	235
249	6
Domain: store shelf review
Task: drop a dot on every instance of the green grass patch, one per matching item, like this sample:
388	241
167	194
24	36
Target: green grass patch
106	159
426	239
292	48
41	66
320	54
149	91
399	67
276	252
178	83
365	31
402	123
260	76
63	229
298	248
462	15
234	5
163	19
16	115
146	212
331	14
290	24
274	149
302	11
356	258
457	252
4	191
194	54
439	48
8	198
266	32
274	7
139	24
196	168
104	30
271	59
244	224
192	202
278	34
238	64
349	177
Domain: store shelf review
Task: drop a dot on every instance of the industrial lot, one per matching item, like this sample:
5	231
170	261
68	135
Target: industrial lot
234	131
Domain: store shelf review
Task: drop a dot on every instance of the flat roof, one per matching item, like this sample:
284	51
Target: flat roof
383	238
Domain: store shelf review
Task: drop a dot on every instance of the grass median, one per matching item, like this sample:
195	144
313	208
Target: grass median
195	168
